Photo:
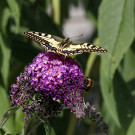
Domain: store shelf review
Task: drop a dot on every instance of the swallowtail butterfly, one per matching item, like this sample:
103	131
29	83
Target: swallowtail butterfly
65	46
87	84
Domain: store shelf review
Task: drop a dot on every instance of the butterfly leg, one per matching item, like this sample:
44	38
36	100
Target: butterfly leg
45	49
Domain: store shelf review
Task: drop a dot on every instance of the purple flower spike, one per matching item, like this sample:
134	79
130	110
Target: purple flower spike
94	116
47	85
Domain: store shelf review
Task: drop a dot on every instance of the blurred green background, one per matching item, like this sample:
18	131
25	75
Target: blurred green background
107	23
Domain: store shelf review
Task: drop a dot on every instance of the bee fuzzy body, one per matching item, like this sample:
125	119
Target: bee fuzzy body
87	84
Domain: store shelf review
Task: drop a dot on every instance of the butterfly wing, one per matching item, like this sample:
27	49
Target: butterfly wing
47	41
53	44
79	47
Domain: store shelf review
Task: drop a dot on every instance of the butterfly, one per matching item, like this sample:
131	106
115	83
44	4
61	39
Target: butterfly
65	46
87	84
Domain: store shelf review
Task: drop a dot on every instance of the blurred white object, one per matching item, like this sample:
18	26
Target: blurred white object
78	24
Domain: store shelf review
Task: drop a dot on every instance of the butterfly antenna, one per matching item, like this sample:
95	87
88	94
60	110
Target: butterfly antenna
77	36
64	33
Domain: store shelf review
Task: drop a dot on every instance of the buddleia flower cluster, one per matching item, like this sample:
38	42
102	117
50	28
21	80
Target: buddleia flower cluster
47	85
51	83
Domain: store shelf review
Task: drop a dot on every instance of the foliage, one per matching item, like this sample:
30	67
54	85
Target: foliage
114	21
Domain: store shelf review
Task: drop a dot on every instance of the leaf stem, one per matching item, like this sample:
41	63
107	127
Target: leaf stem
91	60
89	64
72	124
56	11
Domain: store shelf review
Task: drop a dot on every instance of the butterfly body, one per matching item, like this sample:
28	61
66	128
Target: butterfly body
65	46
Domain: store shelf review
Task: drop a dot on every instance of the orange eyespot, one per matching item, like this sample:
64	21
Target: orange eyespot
58	50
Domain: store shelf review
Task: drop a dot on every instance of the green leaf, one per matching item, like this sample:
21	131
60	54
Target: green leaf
7	115
4	106
45	23
129	77
116	33
128	65
124	100
19	120
131	128
5	62
48	129
2	6
15	10
5	16
27	122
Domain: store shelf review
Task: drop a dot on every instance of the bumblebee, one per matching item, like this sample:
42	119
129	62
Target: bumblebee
87	84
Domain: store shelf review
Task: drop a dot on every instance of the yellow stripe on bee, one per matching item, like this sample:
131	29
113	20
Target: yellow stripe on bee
89	82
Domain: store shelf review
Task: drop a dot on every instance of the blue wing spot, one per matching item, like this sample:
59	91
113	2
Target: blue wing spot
66	51
53	48
47	45
75	51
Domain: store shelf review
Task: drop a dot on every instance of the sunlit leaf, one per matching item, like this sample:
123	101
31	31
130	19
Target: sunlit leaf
15	10
7	115
5	17
5	62
131	129
128	64
2	7
116	33
4	106
19	120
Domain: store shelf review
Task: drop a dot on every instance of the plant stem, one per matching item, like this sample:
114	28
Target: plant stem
56	11
72	123
89	64
90	61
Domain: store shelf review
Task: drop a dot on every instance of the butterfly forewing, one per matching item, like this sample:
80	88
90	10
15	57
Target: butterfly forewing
38	36
47	41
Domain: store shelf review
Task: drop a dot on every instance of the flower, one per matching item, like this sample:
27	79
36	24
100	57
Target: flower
50	83
94	116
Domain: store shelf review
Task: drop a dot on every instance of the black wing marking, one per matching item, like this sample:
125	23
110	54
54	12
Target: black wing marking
78	48
53	44
47	41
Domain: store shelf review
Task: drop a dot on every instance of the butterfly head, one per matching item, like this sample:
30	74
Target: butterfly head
65	43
